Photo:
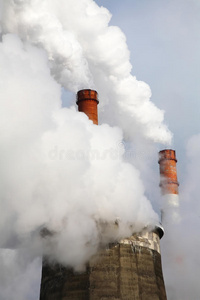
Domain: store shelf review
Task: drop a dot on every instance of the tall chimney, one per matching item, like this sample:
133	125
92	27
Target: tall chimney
168	173
87	101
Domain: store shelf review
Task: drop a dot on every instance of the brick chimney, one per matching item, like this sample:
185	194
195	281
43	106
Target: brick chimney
168	174
87	101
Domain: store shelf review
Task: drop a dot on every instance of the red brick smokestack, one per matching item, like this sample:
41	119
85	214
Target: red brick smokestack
87	101
168	173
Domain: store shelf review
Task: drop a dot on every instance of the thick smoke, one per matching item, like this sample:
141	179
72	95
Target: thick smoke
54	161
58	170
84	51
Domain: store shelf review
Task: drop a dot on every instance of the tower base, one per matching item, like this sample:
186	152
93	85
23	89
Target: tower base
130	269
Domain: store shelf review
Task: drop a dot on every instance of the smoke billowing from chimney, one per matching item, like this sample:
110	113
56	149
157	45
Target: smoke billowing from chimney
74	35
58	170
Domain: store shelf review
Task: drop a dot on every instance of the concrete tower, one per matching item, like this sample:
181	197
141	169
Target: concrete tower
126	270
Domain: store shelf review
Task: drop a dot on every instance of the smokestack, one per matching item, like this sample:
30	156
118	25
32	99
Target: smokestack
168	173
87	101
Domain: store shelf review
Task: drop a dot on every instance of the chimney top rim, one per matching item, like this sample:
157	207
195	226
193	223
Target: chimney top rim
167	154
87	95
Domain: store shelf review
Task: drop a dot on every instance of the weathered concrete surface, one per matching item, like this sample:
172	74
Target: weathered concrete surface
124	271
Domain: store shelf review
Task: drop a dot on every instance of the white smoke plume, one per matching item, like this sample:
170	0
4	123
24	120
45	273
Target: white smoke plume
84	51
59	161
58	170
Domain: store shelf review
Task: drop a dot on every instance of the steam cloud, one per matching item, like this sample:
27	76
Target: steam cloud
84	51
58	170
